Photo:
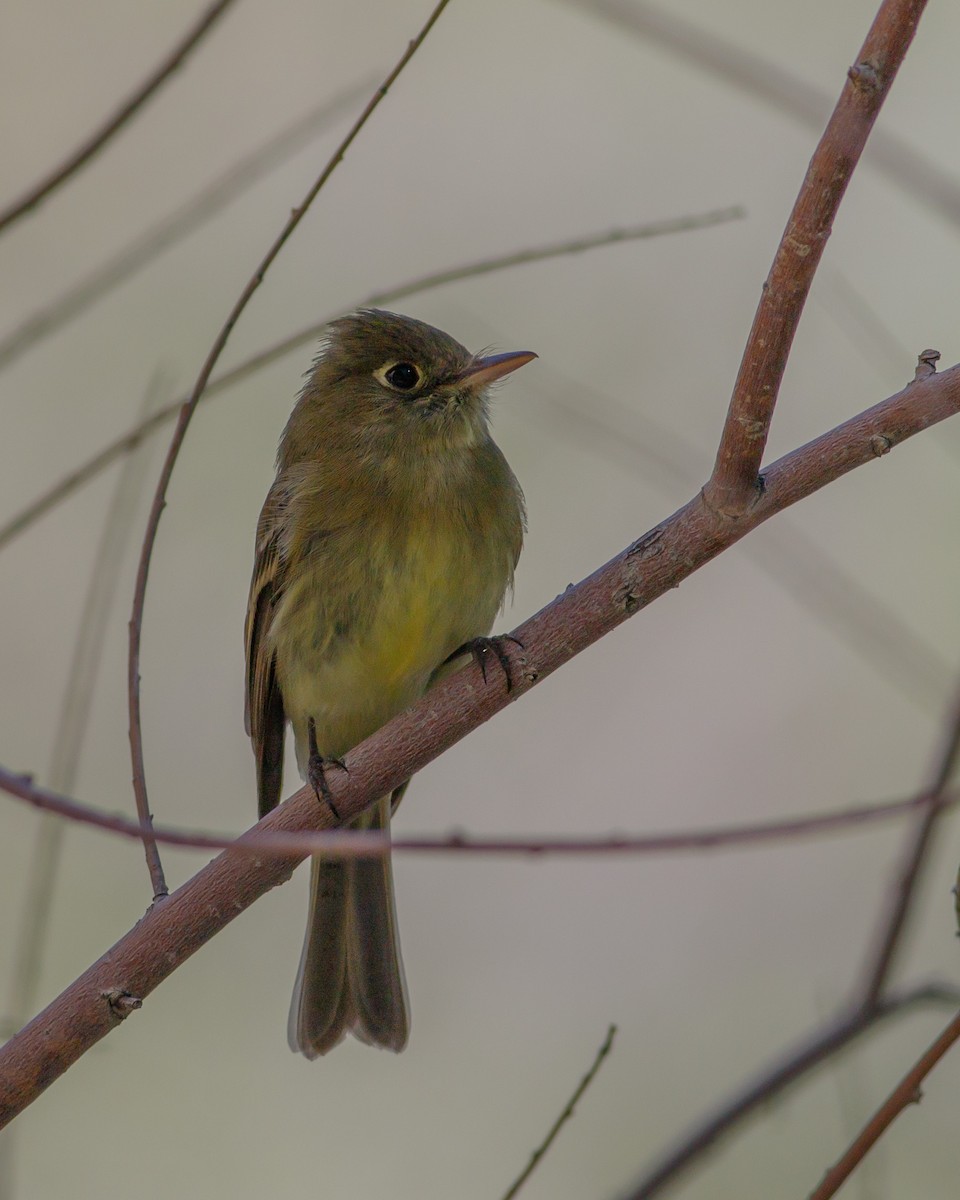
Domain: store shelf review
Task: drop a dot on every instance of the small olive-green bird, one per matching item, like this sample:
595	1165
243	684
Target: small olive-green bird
386	543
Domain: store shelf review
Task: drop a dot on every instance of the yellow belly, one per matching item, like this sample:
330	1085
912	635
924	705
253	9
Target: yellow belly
428	600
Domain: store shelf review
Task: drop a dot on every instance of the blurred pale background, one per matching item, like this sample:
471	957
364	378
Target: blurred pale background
738	697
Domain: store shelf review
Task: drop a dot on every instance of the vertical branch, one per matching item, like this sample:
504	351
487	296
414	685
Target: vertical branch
735	482
179	433
97	140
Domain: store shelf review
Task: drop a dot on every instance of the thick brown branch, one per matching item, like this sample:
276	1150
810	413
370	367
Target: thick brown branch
86	1011
114	124
733	485
905	1093
835	595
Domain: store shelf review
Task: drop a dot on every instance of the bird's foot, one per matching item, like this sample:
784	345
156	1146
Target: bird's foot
482	647
317	767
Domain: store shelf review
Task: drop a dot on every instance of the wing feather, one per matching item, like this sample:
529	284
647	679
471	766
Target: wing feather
264	716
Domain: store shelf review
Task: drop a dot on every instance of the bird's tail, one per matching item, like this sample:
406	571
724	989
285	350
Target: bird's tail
351	975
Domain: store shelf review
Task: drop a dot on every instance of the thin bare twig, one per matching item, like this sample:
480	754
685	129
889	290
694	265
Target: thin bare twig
65	487
32	936
880	345
184	220
847	1079
906	1092
70	729
361	844
921	178
179	433
92	1005
563	1117
823	1044
892	927
593	241
734	484
82	155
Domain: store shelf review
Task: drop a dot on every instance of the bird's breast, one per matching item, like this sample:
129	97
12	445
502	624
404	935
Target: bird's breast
371	623
438	587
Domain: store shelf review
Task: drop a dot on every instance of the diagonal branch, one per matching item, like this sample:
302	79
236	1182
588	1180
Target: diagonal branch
565	1115
659	561
733	487
215	195
906	1092
796	1063
925	180
128	441
97	140
919	841
179	433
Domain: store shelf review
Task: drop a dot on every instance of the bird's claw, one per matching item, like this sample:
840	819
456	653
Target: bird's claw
317	767
482	647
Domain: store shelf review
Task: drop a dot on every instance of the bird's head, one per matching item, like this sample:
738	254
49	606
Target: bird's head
387	376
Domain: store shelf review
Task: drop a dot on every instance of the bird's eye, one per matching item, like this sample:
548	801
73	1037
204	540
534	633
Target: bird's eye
404	376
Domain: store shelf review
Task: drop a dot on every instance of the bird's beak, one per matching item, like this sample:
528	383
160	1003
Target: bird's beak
485	370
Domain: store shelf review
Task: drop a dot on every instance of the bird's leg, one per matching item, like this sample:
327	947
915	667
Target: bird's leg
482	647
317	768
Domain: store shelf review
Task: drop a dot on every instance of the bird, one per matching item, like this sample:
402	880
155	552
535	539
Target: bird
384	551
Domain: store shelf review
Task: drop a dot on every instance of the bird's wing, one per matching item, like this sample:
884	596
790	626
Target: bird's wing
263	712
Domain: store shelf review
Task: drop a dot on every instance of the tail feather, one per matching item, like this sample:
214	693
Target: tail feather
351	975
375	977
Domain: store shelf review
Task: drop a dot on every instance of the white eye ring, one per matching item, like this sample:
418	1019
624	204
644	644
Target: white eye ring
399	376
